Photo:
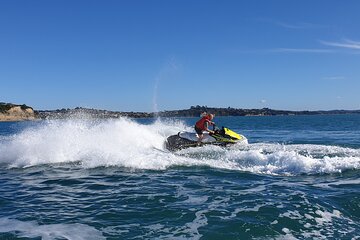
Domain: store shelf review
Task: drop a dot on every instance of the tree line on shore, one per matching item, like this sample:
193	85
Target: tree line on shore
193	111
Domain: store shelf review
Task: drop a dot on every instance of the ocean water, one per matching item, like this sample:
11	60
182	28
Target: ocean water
297	178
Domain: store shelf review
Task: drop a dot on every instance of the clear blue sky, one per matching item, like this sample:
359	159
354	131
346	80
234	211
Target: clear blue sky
144	55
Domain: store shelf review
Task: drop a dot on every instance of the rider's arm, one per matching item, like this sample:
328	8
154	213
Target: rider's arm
206	126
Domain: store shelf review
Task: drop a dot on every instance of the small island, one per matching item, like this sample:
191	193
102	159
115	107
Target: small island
13	112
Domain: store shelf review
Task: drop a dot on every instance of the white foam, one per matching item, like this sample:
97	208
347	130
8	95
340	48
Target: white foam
325	216
121	142
280	159
126	143
31	229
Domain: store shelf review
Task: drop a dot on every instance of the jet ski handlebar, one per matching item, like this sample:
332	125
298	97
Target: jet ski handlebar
216	129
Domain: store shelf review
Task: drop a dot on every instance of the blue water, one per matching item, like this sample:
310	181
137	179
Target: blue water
297	178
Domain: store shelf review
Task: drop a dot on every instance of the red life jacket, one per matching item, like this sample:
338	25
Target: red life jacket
201	123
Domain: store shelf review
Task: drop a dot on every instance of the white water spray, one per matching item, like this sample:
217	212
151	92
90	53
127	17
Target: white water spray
126	143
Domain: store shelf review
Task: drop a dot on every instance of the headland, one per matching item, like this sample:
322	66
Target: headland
14	112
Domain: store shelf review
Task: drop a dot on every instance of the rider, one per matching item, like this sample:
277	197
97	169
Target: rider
203	124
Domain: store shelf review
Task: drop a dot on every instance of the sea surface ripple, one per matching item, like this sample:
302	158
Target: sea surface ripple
298	178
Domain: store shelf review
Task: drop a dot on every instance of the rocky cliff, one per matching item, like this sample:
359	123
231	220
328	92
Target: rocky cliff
13	112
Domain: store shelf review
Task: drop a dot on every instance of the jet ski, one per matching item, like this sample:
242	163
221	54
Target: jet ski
220	137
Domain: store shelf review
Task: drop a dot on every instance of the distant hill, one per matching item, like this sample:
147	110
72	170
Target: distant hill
14	112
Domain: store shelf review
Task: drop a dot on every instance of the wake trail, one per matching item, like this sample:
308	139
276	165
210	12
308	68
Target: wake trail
127	143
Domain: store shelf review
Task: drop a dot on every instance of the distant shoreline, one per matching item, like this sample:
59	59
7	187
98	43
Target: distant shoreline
13	112
191	112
